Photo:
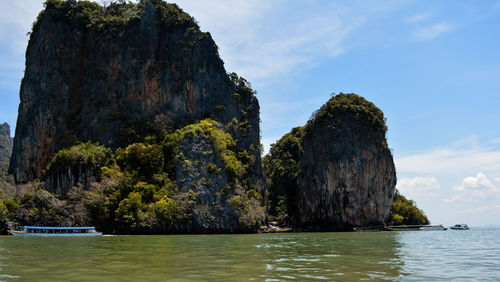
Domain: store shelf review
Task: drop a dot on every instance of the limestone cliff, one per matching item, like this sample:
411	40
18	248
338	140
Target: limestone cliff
339	171
115	75
122	82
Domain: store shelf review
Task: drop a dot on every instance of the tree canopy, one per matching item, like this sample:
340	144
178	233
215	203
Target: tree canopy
405	212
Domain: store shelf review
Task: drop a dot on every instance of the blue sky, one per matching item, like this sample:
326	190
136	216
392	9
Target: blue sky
433	67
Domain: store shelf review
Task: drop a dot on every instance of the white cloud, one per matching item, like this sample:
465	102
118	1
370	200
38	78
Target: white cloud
476	182
417	18
454	199
461	158
269	39
475	189
468	172
257	39
432	31
419	186
482	209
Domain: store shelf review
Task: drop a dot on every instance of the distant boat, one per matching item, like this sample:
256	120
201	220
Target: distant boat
417	227
433	227
49	231
459	227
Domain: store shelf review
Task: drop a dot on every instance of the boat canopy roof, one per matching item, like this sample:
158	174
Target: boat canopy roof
58	228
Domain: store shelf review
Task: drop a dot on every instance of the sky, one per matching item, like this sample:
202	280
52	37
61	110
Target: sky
432	67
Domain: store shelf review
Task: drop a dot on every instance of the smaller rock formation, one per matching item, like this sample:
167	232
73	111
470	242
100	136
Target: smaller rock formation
5	152
336	172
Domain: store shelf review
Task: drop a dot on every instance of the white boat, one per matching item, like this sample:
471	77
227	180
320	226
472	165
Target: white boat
433	227
459	227
49	231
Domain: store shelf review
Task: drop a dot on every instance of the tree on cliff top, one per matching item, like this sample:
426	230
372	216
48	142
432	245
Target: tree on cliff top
113	15
350	107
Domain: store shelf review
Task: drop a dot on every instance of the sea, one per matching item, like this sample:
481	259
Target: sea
469	255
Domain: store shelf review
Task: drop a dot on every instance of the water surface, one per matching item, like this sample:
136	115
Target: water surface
419	255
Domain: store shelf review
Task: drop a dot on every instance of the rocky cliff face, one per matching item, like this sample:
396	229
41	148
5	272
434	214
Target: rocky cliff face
134	78
116	75
343	173
5	153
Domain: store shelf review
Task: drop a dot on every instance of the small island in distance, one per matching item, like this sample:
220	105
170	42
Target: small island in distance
129	122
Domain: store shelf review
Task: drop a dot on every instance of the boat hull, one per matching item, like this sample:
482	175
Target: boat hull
24	234
459	227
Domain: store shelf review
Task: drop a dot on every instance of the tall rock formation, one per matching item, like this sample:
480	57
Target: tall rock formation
115	75
336	172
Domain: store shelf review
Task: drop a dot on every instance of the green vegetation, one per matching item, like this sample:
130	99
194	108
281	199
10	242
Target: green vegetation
115	16
7	208
249	208
35	206
81	155
134	194
137	188
282	167
222	142
90	14
170	15
212	168
243	89
405	212
6	179
142	159
346	108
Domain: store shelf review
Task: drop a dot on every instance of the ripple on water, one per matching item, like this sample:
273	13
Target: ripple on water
306	259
